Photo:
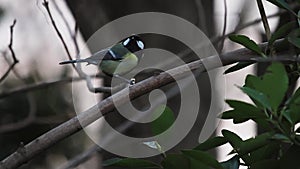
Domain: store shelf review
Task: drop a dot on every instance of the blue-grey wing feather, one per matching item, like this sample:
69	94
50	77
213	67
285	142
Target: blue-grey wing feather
95	59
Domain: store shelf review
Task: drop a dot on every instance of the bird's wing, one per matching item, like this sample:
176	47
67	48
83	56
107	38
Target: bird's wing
96	58
105	54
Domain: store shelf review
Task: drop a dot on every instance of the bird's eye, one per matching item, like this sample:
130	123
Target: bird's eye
126	42
140	44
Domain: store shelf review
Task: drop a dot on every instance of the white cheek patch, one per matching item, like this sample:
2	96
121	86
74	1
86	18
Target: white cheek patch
126	42
140	44
112	54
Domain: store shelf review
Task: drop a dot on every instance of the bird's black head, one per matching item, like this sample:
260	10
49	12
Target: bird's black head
133	43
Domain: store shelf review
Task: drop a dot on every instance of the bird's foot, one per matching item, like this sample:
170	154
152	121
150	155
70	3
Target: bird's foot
131	82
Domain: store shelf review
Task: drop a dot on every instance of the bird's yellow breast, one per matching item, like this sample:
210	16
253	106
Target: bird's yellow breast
119	67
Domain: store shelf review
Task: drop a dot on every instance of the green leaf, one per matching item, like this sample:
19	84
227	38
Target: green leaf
281	32
130	163
233	163
233	139
282	4
203	157
291	113
242	112
237	67
211	143
247	42
294	37
270	150
281	138
263	124
273	84
164	121
258	96
175	161
253	144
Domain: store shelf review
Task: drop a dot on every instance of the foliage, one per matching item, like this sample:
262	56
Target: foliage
278	146
273	109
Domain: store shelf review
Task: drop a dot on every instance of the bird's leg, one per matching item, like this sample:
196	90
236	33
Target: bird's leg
131	81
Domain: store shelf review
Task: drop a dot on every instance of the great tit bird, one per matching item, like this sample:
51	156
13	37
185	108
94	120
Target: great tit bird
118	59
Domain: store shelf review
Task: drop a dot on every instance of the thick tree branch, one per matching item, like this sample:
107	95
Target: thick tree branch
99	110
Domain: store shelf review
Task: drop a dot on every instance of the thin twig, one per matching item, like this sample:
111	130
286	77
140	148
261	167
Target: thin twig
73	36
246	25
15	60
264	19
46	5
256	21
42	85
11	42
224	26
225	18
104	107
75	41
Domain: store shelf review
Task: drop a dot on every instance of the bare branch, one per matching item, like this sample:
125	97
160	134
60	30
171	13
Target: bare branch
73	36
105	106
246	25
224	26
15	60
225	18
43	85
37	86
256	21
11	42
46	5
264	18
259	20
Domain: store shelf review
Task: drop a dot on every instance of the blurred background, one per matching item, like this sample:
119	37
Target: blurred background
26	115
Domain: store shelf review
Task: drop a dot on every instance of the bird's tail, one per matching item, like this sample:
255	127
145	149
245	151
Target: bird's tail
73	61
